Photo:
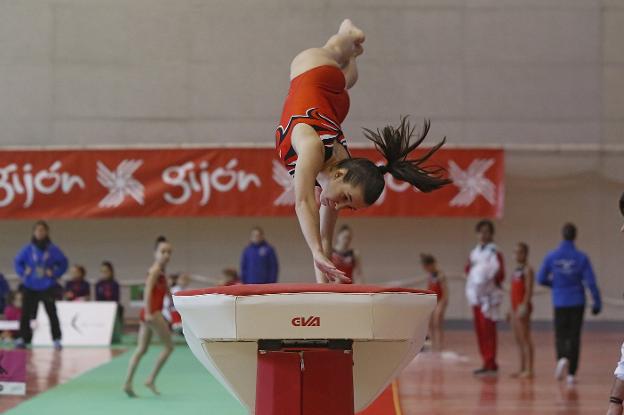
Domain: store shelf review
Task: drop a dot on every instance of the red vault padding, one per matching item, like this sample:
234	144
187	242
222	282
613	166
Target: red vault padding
328	382
278	385
305	382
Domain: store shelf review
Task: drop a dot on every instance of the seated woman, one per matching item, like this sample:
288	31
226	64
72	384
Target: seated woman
311	145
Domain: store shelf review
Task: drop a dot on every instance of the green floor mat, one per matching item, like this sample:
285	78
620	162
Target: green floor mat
186	387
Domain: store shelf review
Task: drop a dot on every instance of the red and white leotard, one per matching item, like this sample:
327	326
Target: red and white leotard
434	284
318	98
518	288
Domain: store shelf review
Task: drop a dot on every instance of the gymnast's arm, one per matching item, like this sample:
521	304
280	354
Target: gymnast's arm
309	164
310	159
328	216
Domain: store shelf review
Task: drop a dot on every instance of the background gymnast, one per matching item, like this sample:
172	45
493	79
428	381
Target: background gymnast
152	320
313	148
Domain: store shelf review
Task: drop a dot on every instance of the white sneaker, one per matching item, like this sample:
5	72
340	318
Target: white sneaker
562	368
571	380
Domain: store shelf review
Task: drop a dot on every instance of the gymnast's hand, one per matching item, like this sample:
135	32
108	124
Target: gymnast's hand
328	269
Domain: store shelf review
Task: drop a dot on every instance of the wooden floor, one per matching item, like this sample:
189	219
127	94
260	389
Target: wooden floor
433	384
47	368
443	384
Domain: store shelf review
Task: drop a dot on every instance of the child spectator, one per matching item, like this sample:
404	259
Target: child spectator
107	287
12	312
77	289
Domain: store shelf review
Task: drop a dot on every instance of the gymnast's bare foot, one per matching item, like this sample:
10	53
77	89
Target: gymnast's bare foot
348	28
150	385
129	391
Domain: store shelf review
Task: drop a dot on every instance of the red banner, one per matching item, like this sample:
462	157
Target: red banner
217	182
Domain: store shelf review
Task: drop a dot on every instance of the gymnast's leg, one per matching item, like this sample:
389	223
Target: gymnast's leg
340	50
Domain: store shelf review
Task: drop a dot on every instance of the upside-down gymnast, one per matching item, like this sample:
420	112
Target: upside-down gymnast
312	146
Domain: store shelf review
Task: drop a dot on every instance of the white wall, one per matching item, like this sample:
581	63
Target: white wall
488	72
82	72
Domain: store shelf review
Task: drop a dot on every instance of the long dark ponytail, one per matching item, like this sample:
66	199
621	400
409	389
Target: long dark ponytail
394	143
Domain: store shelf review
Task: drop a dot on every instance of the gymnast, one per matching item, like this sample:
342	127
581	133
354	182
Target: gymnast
152	320
311	144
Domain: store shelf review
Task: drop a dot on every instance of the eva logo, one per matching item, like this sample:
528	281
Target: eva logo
311	321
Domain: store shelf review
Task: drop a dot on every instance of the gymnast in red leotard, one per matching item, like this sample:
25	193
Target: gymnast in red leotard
152	320
521	308
312	146
345	257
436	282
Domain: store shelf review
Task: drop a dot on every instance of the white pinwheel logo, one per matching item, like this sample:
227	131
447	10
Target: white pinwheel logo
284	179
472	182
120	183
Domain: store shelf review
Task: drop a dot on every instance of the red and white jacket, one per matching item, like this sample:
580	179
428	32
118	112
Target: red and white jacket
485	272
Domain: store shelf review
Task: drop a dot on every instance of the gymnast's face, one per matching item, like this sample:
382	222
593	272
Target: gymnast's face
344	238
429	267
340	195
521	254
105	272
163	253
485	235
76	273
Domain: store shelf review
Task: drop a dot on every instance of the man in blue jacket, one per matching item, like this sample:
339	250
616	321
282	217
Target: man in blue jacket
258	261
39	265
568	272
